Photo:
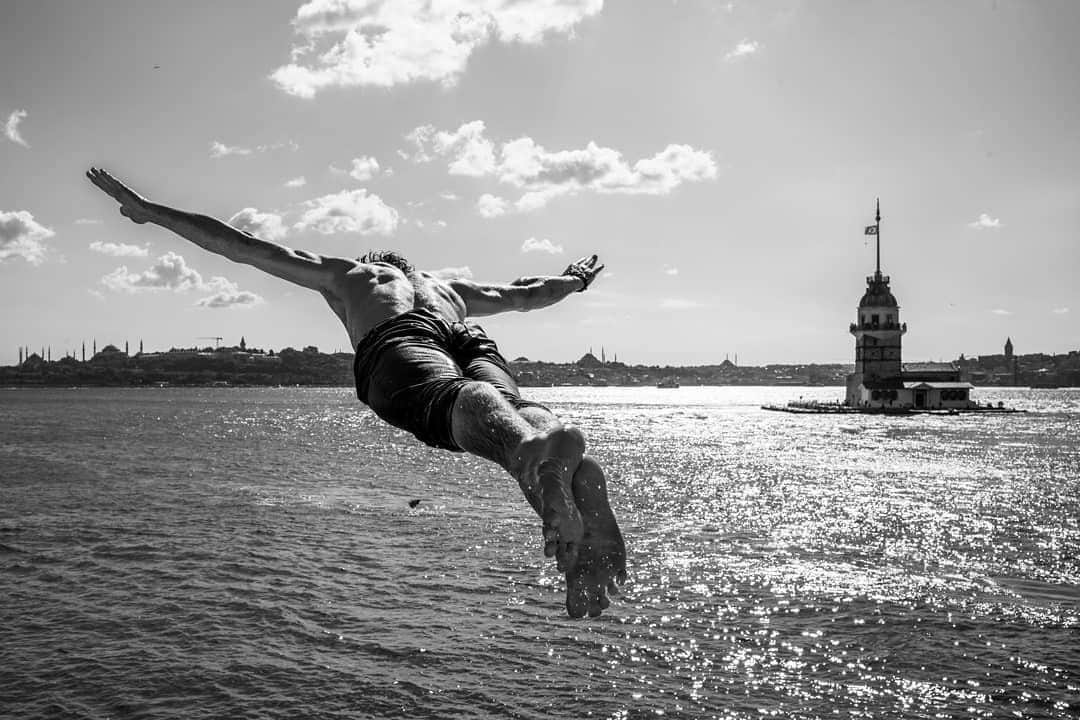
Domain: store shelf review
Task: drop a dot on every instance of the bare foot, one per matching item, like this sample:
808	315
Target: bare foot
601	562
549	461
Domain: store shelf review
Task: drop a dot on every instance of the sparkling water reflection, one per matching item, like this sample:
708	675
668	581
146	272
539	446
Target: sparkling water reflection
252	553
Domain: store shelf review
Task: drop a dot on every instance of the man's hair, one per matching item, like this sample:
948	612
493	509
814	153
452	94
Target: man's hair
389	257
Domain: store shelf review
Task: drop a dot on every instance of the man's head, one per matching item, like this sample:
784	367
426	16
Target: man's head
389	257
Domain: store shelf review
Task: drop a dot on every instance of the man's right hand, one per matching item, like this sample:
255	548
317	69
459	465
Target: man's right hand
132	204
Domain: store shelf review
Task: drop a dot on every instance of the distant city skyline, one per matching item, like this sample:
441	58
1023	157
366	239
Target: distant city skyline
24	352
722	158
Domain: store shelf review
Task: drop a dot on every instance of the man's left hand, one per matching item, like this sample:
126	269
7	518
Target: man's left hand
585	269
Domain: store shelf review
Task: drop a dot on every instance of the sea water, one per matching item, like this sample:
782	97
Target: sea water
251	553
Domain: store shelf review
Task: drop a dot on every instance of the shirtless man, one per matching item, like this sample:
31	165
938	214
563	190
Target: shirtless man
419	367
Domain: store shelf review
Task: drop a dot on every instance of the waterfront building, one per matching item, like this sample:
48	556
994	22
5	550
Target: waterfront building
881	381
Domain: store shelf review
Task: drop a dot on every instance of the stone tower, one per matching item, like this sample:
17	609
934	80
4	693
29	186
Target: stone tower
1008	348
877	332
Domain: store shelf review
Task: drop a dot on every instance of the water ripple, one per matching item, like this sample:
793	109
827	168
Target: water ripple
251	553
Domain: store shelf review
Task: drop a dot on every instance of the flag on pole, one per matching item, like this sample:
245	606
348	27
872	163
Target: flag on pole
871	230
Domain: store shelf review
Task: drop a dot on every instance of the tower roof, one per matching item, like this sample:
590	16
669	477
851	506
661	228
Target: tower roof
877	292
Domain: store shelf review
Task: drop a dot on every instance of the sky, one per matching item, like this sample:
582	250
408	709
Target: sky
722	158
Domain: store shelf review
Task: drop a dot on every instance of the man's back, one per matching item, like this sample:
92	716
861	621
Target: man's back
369	293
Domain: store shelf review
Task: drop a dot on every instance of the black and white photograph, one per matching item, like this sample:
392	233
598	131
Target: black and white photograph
614	359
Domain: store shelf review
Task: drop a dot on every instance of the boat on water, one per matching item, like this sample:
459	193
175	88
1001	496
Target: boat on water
668	383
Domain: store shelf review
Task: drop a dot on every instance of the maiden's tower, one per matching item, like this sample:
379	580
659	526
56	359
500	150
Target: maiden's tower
881	382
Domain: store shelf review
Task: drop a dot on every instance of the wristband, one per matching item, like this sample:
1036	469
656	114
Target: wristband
580	275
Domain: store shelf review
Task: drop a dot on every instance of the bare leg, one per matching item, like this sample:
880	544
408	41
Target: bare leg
543	463
601	565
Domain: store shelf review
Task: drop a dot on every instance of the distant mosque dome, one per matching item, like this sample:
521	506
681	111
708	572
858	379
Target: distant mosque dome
878	293
589	360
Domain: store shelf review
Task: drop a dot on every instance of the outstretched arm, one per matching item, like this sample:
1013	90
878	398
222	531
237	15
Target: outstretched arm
527	293
303	268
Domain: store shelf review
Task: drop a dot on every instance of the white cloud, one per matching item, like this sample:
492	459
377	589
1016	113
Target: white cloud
744	48
474	155
267	226
22	236
669	270
229	295
11	128
87	221
545	245
296	182
171	272
1060	310
538	198
219	149
490	206
1001	311
454	273
364	168
544	175
118	249
349	211
448	196
381	43
679	304
985	221
419	137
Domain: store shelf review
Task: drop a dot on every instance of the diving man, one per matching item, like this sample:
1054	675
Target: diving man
420	367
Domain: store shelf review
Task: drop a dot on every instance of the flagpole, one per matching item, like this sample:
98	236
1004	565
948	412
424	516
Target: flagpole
877	235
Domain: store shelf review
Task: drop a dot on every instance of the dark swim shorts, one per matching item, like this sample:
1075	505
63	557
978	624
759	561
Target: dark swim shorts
409	370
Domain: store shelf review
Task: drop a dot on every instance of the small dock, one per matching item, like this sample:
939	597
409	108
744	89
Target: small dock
810	407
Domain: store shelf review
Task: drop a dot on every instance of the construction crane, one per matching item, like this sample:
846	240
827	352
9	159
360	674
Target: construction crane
216	338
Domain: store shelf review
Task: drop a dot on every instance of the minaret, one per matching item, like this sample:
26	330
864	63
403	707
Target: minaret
140	347
1008	348
50	353
20	354
84	351
126	348
95	347
877	331
603	357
